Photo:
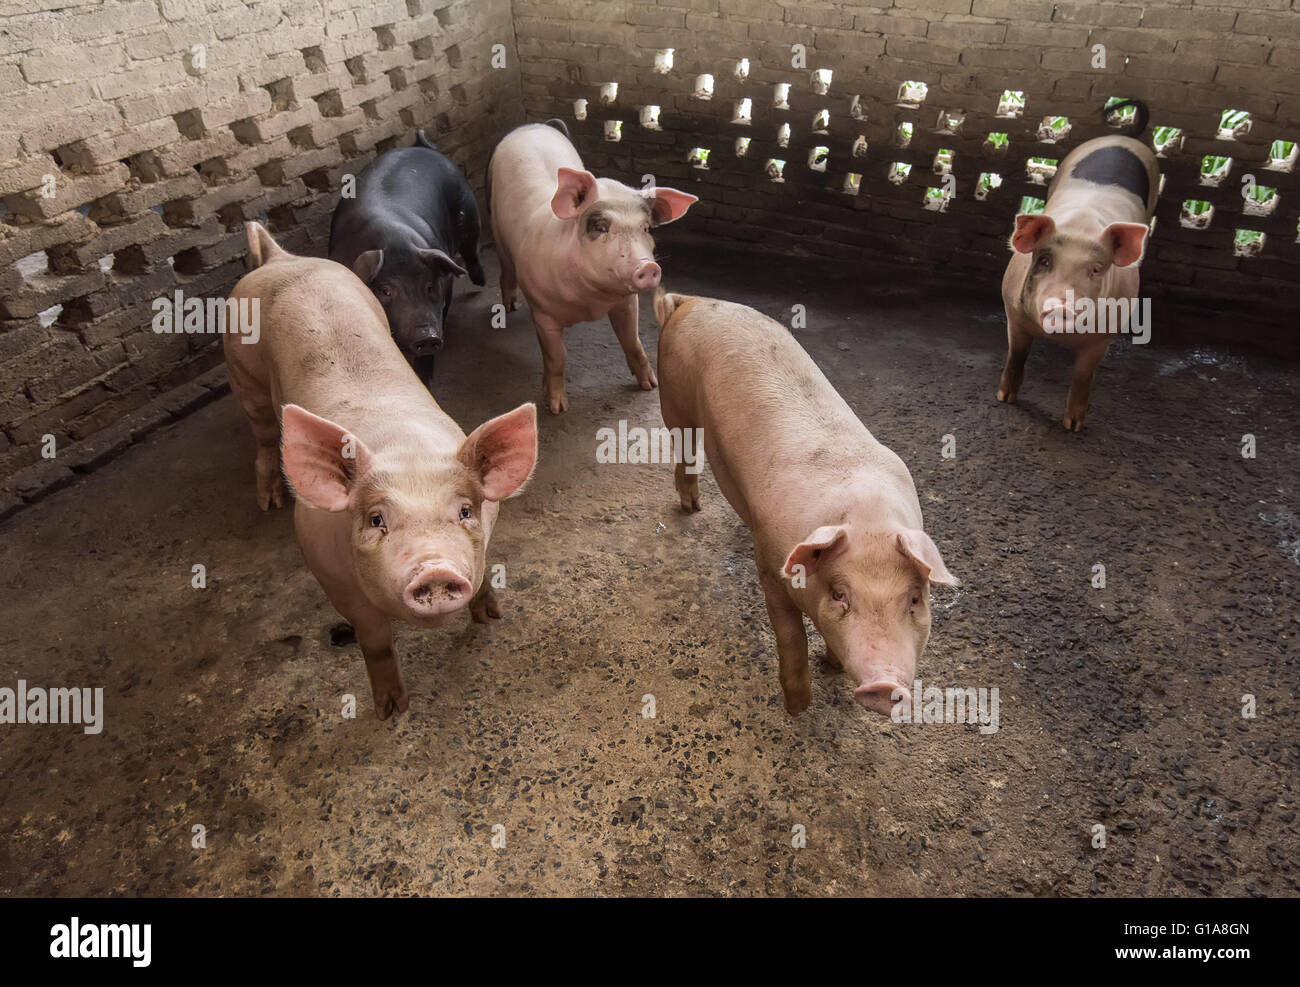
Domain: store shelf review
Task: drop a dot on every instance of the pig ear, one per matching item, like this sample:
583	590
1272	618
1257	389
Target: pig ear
1127	240
439	261
503	451
669	204
367	265
823	543
262	248
322	460
1031	228
918	547
575	191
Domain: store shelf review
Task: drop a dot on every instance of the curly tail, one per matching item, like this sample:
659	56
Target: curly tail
665	304
1143	115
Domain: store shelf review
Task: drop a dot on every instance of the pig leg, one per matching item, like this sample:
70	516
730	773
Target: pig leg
256	402
624	317
550	336
467	230
687	484
484	605
1013	374
509	294
1076	402
375	633
791	645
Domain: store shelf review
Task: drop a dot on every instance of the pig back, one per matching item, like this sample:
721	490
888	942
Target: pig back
522	173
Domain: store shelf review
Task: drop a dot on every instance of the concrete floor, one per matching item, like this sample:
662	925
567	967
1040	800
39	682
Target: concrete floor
1119	706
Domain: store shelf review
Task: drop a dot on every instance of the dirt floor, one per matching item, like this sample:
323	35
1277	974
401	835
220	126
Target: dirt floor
1119	706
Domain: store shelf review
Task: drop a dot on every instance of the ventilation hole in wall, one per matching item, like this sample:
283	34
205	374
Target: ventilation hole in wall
988	182
698	157
1030	204
271	174
413	8
48	317
384	35
1167	141
742	146
579	109
422	48
703	87
949	122
744	112
1261	201
371	109
1053	129
458	95
453	56
314	59
860	146
213	171
302	138
1247	243
996	144
821	81
912	94
397	79
1011	104
903	134
356	67
131	261
741	71
231	216
818	157
857	109
936	199
190	124
781	96
664	61
429	87
1233	124
33	264
330	103
58	159
898	172
1122	117
1196	214
281	93
444	16
609	94
178	213
1282	156
318	179
613	131
282	218
1040	171
388	144
852	183
1214	169
245	131
105	263
942	161
783	135
775	169
188	261
821	123
650	117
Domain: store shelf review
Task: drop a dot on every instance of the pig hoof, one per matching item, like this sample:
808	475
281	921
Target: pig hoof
796	703
395	700
1073	423
484	606
690	503
1008	397
559	404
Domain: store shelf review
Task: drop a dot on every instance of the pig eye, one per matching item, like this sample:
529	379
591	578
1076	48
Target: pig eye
597	226
384	292
839	596
1045	261
1096	271
377	520
466	513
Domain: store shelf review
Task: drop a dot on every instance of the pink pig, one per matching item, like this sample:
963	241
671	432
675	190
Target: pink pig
395	505
835	518
578	246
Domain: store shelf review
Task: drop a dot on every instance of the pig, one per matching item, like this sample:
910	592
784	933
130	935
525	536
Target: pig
395	504
578	246
1086	245
835	519
413	211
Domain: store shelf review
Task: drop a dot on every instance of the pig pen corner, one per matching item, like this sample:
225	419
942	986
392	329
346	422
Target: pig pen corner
867	255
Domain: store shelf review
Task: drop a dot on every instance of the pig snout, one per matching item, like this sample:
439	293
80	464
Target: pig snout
880	696
646	276
437	588
426	341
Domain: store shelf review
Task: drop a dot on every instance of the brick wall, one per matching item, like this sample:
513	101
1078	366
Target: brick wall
1189	60
158	151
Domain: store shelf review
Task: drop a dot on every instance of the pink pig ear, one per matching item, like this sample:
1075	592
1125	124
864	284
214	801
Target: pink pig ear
321	459
1127	240
1031	229
918	547
503	451
823	543
669	204
575	191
